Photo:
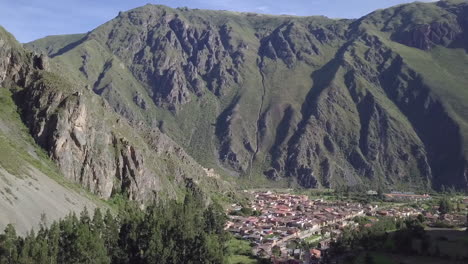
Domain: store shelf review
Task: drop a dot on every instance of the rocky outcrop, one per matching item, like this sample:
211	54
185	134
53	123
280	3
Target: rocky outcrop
189	60
97	149
427	36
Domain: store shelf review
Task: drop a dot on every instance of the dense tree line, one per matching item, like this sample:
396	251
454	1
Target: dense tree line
184	232
376	237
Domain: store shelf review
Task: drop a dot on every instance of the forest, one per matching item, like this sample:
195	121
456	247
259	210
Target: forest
171	232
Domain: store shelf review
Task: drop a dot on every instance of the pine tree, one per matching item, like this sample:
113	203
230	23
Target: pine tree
53	239
111	235
8	245
84	216
98	222
165	233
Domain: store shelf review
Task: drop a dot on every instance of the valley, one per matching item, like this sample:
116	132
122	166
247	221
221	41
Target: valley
177	135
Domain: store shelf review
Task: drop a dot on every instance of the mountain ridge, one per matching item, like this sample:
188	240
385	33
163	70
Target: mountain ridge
342	100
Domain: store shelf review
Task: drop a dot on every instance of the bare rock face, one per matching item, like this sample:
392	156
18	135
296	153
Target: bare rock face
427	36
90	148
294	41
70	136
189	60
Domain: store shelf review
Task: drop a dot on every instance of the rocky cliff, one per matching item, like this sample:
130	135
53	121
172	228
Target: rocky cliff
91	144
379	100
30	183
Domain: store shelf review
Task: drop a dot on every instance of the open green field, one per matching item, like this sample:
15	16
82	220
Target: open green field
240	252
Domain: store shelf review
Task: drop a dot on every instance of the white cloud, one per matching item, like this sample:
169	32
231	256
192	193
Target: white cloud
263	9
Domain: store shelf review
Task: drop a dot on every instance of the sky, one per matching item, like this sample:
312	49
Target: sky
28	20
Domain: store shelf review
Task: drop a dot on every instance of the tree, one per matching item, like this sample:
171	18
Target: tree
276	251
111	236
246	211
323	232
380	193
53	239
172	232
425	244
88	247
369	259
467	222
445	206
214	219
8	245
442	189
98	222
84	216
421	219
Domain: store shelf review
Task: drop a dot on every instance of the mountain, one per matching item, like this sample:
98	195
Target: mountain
377	101
55	133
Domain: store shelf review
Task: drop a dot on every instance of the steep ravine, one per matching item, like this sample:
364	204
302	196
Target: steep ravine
259	117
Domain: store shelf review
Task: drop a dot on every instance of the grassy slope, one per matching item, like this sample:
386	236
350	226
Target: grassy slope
51	45
444	70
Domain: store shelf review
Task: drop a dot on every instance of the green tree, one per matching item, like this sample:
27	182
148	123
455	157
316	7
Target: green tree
276	251
84	217
53	239
445	206
8	245
110	236
246	211
369	259
169	232
421	219
98	225
214	219
380	193
467	222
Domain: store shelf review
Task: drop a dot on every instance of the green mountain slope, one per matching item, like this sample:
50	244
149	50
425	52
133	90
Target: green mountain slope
377	101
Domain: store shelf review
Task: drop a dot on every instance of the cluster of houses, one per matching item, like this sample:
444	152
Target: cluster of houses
279	218
406	196
396	212
401	196
283	217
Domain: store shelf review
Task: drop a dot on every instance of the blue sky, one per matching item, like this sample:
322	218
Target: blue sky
32	19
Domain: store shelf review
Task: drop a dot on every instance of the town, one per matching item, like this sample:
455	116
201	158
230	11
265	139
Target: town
272	220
